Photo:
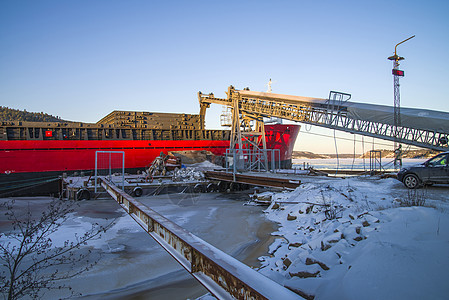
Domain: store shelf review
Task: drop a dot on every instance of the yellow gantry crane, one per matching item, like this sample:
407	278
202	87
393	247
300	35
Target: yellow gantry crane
245	123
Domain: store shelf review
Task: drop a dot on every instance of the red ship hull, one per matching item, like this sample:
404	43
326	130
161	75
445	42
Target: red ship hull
66	156
24	159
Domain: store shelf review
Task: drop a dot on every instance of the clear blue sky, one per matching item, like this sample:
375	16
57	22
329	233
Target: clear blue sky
81	60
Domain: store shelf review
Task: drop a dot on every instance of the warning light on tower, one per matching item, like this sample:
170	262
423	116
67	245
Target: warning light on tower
398	72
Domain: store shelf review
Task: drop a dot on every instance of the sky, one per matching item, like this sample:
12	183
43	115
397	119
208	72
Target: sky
80	60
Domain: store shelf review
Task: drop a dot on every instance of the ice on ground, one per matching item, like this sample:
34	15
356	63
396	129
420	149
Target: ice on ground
354	239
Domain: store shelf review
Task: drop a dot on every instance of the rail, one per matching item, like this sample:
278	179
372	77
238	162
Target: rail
257	180
224	276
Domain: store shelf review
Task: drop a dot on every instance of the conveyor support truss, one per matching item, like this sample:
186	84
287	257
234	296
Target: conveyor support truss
319	112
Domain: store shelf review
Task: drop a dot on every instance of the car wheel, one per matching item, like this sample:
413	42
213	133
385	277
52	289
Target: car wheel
83	194
211	187
138	192
411	181
199	188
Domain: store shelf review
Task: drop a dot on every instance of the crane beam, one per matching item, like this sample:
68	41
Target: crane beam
421	128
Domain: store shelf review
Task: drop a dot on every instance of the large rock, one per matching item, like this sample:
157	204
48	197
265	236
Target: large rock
311	261
304	274
291	218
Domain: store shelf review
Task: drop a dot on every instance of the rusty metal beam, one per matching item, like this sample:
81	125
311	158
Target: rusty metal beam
254	180
224	276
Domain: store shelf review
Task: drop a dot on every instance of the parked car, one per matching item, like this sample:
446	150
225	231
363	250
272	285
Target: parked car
434	170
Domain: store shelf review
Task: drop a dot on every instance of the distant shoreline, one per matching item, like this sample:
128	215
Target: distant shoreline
384	154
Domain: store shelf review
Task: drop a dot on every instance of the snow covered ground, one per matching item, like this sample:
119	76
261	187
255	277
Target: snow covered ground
358	238
353	238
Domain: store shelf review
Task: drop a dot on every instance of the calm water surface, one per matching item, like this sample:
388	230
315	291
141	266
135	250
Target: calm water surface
349	163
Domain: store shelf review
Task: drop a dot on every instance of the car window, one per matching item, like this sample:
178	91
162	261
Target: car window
438	160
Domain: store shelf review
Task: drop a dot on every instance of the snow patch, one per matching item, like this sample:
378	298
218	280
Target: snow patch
350	239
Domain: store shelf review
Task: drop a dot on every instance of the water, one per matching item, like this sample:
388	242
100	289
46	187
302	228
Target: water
351	164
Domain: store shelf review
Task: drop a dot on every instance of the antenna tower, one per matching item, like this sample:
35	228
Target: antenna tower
397	103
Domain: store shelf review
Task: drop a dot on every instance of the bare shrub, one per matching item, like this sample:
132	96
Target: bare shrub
332	211
29	262
414	198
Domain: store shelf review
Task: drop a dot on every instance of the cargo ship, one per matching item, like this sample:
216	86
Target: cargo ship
34	154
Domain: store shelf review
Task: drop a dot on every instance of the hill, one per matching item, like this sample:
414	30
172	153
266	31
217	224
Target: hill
422	153
311	155
10	114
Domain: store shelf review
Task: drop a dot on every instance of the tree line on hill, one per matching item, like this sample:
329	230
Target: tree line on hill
422	153
10	114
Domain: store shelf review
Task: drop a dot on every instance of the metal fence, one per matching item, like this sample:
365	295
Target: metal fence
375	161
110	164
245	160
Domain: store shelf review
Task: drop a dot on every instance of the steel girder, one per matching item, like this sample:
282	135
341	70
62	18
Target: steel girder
336	118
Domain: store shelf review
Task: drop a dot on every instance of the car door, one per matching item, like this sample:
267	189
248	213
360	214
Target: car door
438	169
445	178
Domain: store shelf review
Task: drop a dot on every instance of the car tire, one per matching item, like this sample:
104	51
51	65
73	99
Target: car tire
211	187
222	186
138	192
411	181
83	194
199	188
